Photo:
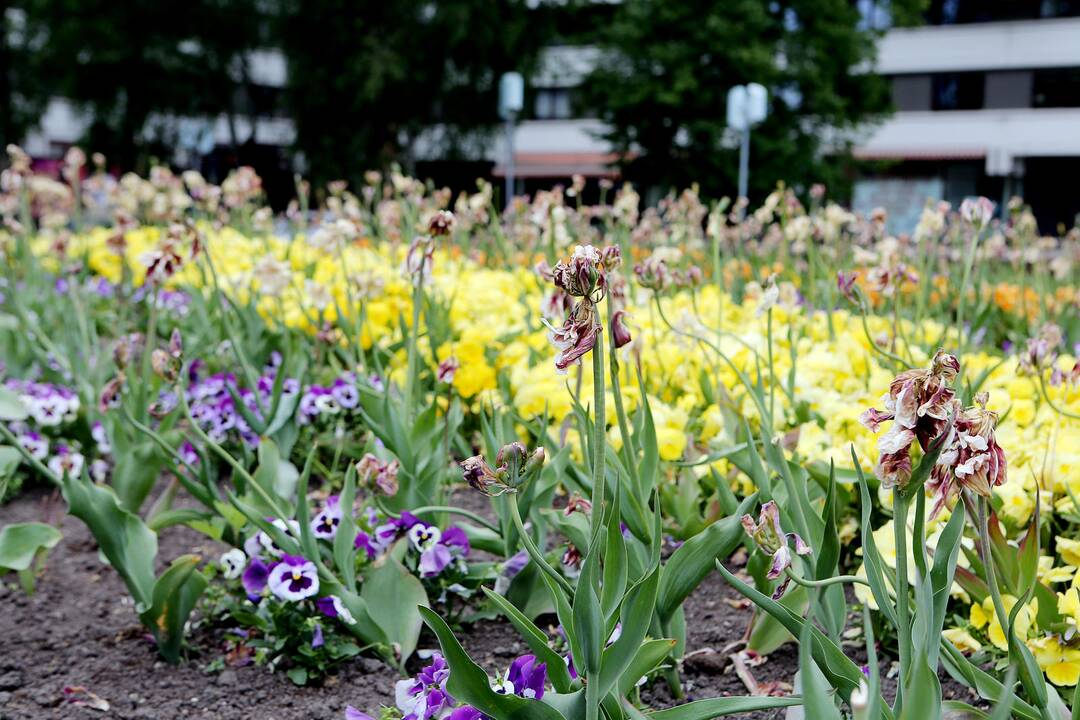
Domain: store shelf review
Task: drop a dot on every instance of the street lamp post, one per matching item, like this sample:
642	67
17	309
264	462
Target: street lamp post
747	105
511	102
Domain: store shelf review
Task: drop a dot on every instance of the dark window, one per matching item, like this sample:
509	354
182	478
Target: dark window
911	92
553	104
958	91
1059	87
950	12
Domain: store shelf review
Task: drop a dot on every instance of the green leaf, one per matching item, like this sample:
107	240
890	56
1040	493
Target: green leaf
922	692
649	655
175	594
637	613
614	561
344	540
817	702
125	541
875	567
696	557
468	682
941	578
392	595
589	624
838	669
721	707
12	408
20	544
537	641
9	461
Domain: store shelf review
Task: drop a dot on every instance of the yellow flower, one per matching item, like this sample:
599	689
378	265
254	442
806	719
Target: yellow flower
962	640
1060	662
984	615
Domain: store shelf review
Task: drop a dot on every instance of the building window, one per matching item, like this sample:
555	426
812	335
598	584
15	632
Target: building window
950	12
958	91
1058	87
552	104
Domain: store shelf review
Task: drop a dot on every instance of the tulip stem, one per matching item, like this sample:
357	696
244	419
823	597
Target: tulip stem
837	580
456	511
1046	396
599	428
903	611
534	551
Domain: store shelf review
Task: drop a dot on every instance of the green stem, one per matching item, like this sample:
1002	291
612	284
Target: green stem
228	458
450	510
34	462
837	580
629	449
900	586
534	552
599	429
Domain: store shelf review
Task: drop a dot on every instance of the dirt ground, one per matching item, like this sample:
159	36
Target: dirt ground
79	629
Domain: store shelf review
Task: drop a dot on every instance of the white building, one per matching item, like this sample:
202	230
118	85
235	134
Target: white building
986	103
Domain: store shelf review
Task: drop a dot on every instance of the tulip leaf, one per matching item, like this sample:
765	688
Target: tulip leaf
536	639
469	684
637	613
838	669
817	702
650	654
12	408
722	707
392	595
872	562
345	539
175	594
21	543
696	557
125	540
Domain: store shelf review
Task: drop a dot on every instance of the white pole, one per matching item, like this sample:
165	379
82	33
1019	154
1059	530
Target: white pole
744	162
509	191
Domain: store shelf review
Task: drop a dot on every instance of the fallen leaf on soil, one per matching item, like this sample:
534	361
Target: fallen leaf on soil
78	695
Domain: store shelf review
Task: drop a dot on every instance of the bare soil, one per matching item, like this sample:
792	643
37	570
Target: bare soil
79	629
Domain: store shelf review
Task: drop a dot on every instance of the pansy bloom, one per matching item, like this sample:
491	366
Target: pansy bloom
325	524
294	578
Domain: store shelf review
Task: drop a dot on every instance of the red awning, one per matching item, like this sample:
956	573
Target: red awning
920	153
561	165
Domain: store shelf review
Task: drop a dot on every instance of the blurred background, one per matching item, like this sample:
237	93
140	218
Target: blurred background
886	102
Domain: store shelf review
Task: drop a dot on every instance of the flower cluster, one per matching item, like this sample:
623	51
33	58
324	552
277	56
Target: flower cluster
772	540
584	277
425	696
920	403
325	401
49	405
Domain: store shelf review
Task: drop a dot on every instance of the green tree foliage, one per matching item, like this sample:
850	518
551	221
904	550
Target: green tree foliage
366	77
663	88
128	63
20	101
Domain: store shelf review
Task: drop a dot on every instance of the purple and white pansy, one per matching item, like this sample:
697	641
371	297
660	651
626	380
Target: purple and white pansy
294	578
425	697
325	524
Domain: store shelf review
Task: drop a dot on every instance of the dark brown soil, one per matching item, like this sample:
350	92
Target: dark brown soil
79	629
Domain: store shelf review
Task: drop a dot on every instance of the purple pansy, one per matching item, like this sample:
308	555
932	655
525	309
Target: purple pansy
294	578
331	606
325	524
255	578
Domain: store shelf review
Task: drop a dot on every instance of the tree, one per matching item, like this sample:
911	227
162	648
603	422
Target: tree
669	66
21	99
367	77
130	63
